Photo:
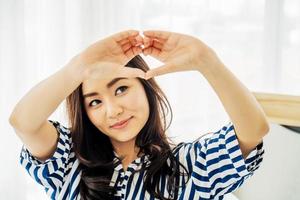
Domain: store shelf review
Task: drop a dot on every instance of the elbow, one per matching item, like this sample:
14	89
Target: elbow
265	126
12	120
15	122
264	129
260	132
257	136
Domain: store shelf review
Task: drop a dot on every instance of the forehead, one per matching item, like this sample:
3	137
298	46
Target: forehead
98	85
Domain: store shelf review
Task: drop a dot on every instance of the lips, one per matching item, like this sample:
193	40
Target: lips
120	123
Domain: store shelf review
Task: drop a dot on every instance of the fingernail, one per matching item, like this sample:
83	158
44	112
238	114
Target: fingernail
142	76
146	77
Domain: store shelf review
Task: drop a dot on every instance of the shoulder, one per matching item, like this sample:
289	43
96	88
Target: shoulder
60	172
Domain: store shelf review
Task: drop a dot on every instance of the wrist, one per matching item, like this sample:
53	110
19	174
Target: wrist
210	65
212	69
77	68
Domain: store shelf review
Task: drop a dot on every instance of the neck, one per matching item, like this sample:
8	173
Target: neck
128	150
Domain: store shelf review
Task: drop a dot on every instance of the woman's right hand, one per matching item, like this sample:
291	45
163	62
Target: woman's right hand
107	57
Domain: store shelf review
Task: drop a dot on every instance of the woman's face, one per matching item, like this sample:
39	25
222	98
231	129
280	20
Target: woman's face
110	101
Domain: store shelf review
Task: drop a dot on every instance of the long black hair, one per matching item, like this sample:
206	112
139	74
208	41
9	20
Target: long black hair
95	151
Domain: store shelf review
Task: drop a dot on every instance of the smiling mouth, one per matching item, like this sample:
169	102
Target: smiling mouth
121	124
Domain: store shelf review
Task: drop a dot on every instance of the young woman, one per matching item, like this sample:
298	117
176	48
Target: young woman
116	146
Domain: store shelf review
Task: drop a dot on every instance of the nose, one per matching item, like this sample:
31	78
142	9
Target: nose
113	109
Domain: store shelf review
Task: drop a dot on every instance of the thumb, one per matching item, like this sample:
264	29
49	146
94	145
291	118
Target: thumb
131	72
108	69
158	71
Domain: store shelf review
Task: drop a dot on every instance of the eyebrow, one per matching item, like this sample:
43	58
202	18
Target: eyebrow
109	85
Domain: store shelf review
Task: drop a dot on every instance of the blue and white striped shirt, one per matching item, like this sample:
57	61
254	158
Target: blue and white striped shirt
215	162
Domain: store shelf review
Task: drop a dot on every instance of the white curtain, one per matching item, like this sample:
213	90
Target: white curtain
259	41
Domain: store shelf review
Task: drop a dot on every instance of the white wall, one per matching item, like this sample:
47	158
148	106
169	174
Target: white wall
279	175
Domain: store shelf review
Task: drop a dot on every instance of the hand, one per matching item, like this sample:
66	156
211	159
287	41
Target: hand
178	52
107	57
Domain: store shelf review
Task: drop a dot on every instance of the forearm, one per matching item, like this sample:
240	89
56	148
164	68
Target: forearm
243	109
44	98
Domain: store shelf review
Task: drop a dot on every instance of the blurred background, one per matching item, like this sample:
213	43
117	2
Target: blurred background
258	40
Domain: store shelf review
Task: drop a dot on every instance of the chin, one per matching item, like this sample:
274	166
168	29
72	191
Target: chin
124	137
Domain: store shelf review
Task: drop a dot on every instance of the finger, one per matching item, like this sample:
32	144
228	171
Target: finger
160	35
164	69
131	72
122	42
118	37
132	43
96	71
132	52
126	46
147	42
136	41
152	42
137	50
152	51
157	44
139	40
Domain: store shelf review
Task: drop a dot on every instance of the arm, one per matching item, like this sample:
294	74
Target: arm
249	120
29	117
45	97
96	59
181	52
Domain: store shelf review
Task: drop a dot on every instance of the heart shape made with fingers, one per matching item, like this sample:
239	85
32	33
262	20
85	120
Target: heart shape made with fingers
178	52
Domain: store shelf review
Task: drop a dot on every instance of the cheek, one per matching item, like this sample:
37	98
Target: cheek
94	117
137	101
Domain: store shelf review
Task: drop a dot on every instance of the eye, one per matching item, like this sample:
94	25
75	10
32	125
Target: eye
90	104
123	88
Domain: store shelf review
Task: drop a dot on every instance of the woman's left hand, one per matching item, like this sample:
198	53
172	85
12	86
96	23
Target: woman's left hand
178	52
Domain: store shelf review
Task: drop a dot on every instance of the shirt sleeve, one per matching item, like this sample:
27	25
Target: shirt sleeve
216	163
52	172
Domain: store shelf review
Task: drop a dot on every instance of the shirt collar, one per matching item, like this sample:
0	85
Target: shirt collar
136	164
